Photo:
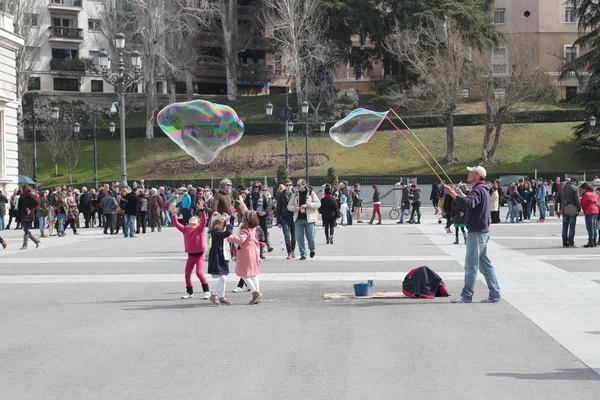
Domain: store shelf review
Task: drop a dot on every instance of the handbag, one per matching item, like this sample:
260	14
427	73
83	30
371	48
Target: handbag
571	210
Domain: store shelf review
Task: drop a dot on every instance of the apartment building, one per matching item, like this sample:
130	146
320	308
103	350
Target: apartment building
69	32
553	25
9	44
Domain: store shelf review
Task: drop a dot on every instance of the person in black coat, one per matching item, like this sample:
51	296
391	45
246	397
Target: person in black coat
435	196
26	206
285	219
219	256
329	209
85	205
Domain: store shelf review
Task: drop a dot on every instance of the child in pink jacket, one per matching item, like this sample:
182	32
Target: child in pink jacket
248	252
193	239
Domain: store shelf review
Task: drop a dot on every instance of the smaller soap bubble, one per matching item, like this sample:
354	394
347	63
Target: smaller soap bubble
357	128
201	128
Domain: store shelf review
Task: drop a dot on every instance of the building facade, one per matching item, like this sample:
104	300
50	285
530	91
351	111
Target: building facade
72	33
553	25
9	160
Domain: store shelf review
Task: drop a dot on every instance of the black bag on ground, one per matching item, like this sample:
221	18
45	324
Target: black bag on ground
423	283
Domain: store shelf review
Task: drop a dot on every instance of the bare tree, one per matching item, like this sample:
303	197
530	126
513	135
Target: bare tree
438	56
27	24
148	24
572	69
319	85
54	140
293	25
504	88
71	151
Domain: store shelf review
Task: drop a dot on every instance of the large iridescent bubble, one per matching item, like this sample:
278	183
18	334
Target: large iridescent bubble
357	128
201	128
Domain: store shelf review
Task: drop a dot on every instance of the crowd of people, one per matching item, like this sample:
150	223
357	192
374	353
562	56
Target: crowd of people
206	217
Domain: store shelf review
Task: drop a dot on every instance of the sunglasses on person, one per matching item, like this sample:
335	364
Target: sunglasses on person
256	187
288	185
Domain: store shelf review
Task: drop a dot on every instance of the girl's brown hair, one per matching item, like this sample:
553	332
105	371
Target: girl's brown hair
26	190
250	219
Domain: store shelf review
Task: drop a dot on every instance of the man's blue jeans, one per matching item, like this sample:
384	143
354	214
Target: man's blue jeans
568	229
289	233
477	259
129	225
590	225
542	207
302	226
510	206
402	210
60	223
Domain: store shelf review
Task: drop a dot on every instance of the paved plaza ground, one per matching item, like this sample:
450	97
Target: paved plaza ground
100	317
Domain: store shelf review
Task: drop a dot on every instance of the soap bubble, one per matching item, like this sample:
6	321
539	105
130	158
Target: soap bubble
357	128
201	128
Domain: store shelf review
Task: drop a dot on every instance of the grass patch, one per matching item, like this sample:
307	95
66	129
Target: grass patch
523	148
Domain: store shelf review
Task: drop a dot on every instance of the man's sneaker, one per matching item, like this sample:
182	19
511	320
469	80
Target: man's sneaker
492	300
188	296
302	258
312	254
460	299
400	222
206	295
270	249
237	290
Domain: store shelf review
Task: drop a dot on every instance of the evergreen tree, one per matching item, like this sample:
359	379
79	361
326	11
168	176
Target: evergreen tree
588	14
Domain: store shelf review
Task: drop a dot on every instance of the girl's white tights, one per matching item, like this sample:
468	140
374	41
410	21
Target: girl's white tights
219	290
252	283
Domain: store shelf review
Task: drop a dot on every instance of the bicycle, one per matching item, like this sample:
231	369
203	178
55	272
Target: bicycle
395	211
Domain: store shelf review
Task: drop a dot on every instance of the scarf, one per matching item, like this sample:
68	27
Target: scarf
328	196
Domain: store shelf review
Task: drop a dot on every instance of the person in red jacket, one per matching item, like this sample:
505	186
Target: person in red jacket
590	209
193	240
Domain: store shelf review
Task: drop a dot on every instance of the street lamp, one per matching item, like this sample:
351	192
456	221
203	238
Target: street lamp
76	128
286	111
120	80
322	127
593	122
54	114
305	113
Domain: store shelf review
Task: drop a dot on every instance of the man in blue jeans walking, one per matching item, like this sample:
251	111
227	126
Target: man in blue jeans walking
305	205
477	221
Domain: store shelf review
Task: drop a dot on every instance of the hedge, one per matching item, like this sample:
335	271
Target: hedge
414	122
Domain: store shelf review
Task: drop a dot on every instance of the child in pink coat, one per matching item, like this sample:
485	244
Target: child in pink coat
193	239
248	252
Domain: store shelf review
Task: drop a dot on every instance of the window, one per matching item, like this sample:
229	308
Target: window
351	72
94	56
94	25
500	16
34	83
500	61
97	86
65	54
32	19
67	85
32	53
570	15
160	87
499	94
571	53
64	22
571	91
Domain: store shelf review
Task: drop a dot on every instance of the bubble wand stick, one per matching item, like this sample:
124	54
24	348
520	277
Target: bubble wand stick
419	140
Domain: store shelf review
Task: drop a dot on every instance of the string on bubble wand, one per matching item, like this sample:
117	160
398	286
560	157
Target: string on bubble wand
412	144
419	140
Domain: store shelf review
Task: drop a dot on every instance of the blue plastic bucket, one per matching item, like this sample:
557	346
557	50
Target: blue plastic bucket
361	289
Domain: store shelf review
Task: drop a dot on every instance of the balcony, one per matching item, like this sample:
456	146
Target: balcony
72	6
62	34
74	66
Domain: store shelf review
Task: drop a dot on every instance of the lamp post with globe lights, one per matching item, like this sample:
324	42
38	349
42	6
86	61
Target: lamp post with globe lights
121	79
305	107
34	121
